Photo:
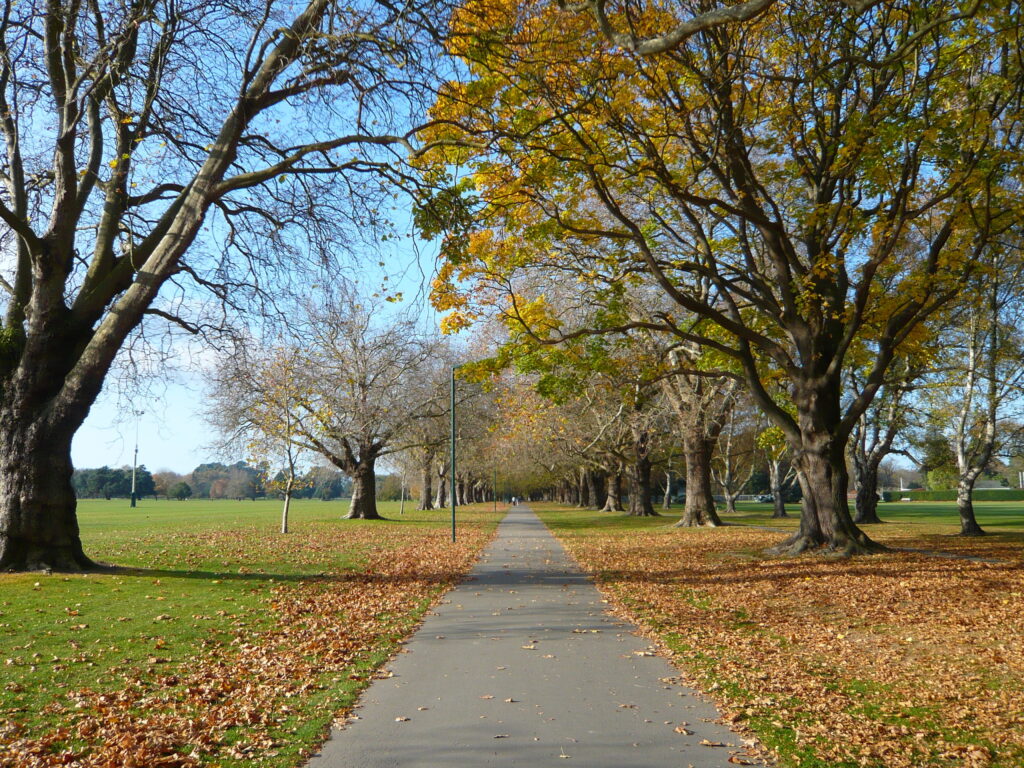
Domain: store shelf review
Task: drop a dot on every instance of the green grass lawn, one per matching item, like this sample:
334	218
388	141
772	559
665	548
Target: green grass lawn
192	577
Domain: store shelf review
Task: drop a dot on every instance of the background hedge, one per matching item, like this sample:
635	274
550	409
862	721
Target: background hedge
982	494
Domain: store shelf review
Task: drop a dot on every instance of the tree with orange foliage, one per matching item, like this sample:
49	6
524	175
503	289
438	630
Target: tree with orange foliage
796	186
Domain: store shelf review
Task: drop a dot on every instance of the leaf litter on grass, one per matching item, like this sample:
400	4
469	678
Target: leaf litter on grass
899	660
233	700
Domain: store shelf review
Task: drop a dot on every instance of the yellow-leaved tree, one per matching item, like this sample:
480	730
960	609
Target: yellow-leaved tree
818	178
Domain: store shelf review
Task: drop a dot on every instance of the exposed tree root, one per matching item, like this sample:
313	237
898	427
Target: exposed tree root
799	543
684	523
20	556
873	519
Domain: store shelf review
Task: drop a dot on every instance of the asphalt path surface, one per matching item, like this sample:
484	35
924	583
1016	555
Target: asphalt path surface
522	666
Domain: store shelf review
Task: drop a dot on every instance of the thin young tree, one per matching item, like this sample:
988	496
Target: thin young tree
256	403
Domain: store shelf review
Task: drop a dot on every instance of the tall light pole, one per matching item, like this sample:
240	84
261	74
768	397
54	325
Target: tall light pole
135	458
452	470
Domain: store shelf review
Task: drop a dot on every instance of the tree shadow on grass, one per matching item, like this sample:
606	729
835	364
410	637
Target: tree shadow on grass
354	577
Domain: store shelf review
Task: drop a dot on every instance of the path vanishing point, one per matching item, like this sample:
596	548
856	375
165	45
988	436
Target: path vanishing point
522	666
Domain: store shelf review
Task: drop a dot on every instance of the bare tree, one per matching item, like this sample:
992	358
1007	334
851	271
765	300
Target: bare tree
733	463
139	132
987	379
361	372
256	403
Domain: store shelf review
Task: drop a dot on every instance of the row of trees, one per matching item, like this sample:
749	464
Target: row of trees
813	204
784	196
107	483
207	481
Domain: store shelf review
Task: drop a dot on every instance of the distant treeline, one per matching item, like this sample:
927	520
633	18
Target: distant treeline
207	481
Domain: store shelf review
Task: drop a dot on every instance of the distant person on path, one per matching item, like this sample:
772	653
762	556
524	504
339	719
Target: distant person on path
514	501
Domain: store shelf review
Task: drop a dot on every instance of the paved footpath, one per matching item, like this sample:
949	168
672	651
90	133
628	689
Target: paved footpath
521	666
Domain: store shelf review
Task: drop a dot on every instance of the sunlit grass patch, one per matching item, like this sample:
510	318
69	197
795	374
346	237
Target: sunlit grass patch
216	637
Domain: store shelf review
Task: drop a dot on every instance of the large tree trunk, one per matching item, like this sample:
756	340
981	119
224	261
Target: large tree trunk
613	501
640	489
825	522
699	508
426	483
364	492
965	506
866	506
38	524
819	456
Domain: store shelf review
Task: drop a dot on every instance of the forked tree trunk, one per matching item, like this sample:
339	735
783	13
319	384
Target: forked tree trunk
364	492
613	501
38	524
730	500
699	508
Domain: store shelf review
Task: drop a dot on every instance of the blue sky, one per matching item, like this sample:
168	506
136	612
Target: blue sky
172	434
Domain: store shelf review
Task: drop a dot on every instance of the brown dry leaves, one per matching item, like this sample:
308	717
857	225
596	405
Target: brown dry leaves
901	660
229	699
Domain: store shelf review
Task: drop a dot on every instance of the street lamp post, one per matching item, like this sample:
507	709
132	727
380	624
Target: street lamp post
135	458
452	470
401	510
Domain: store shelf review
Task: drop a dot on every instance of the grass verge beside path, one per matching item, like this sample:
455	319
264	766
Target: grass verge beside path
220	641
895	660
